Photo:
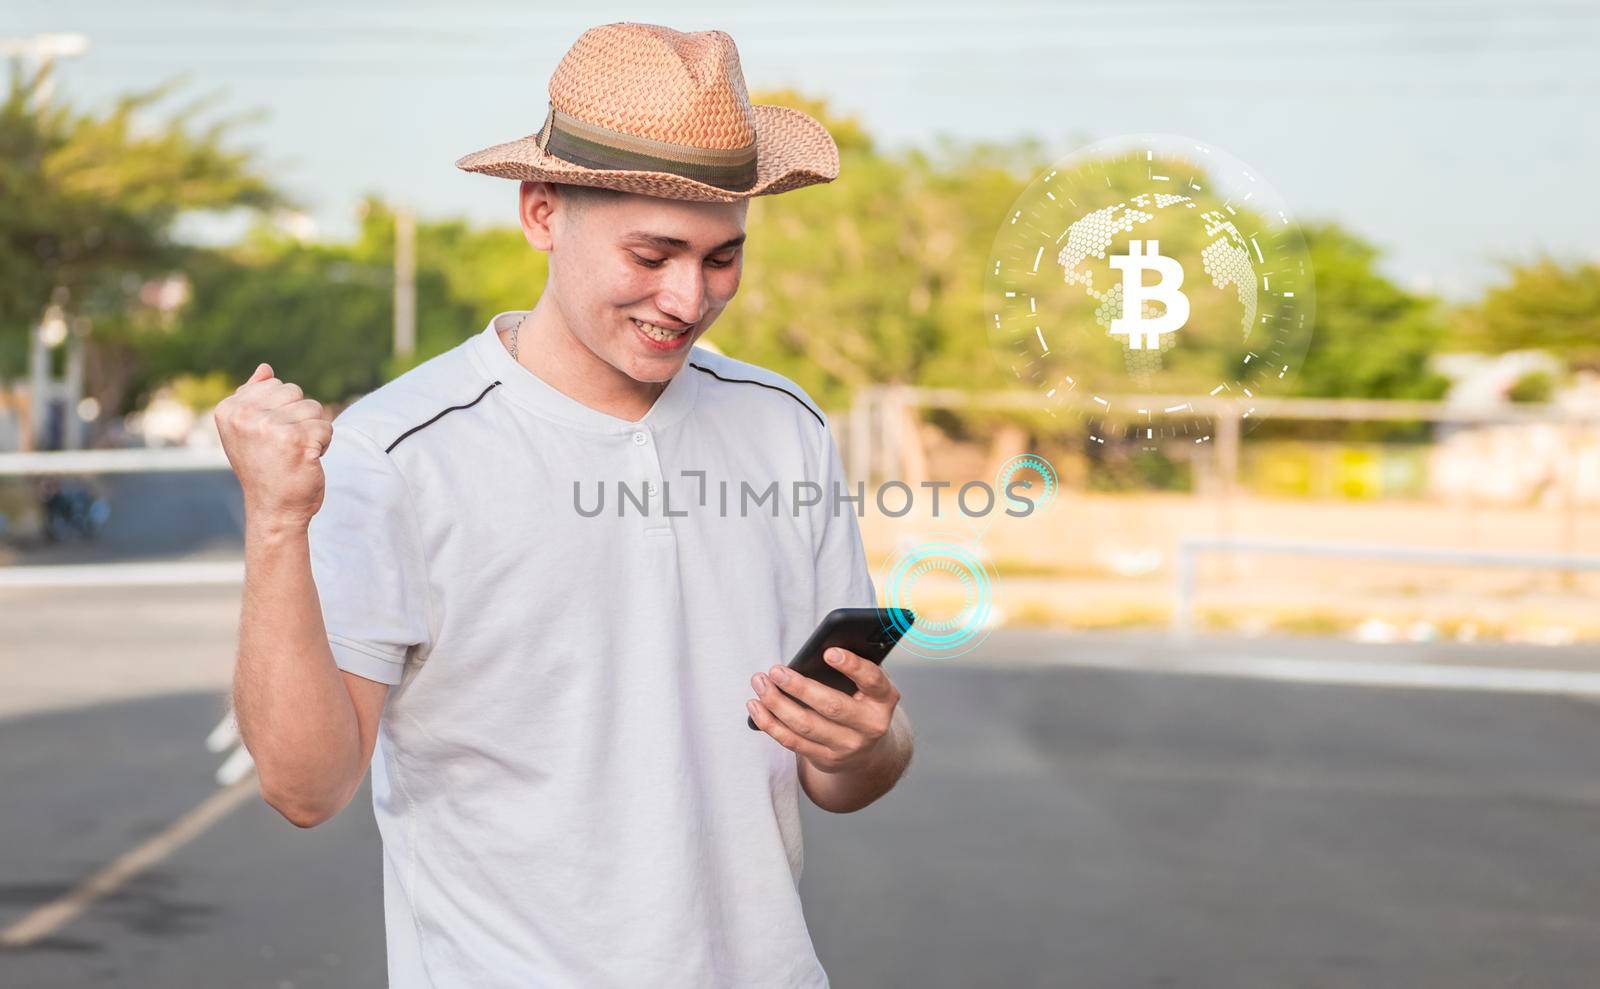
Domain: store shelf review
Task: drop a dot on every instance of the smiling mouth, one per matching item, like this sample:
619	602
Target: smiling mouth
662	333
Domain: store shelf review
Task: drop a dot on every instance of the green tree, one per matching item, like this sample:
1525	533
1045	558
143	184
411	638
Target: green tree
874	278
321	314
877	276
88	204
484	270
1545	305
1372	338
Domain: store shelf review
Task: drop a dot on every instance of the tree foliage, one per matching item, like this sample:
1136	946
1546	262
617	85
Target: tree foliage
874	278
88	203
1372	338
1545	305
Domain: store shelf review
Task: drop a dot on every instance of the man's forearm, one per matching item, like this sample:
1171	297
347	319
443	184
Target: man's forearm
850	790
294	712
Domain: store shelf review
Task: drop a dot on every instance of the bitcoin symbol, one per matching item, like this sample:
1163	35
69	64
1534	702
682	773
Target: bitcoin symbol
1145	334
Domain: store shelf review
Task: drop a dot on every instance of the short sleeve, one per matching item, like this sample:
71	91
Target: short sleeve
843	578
367	560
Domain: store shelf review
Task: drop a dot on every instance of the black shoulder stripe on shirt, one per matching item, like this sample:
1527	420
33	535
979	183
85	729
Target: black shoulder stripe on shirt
436	418
747	381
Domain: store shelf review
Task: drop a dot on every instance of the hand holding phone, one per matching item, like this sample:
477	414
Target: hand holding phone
868	632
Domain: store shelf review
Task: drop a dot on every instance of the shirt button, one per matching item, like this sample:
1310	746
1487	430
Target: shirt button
640	439
651	486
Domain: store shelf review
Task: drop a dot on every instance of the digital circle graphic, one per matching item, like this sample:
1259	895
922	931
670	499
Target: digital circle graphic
1025	464
951	590
1145	284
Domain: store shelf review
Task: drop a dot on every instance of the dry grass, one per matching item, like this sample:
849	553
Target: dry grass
1106	561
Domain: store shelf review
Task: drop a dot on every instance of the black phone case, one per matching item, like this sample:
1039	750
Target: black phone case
868	632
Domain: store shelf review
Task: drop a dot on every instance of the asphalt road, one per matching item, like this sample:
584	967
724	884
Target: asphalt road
1059	827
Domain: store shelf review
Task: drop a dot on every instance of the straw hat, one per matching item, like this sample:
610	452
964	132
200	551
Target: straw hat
643	108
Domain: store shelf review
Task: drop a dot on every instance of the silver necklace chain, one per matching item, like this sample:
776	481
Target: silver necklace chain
514	330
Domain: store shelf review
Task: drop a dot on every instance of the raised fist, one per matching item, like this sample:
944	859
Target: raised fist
275	437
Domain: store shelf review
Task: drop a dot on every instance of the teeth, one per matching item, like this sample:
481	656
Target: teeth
655	332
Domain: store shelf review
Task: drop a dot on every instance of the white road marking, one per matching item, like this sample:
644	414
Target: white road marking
1424	676
178	572
63	910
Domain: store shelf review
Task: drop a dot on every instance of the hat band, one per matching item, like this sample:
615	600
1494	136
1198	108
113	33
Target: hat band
592	146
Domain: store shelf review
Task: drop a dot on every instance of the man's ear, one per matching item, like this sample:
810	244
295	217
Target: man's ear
535	202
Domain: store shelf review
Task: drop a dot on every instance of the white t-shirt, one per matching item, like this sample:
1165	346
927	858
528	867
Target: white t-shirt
566	787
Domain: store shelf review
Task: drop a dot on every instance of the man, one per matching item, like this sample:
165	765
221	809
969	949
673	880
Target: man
552	701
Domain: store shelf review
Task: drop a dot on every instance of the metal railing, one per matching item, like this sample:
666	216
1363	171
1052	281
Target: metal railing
1190	550
123	461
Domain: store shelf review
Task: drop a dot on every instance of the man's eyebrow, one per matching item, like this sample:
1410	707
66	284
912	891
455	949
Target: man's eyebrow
674	243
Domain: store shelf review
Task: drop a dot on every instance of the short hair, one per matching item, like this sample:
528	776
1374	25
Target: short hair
581	196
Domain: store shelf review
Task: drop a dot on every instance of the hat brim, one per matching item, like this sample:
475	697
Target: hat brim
793	150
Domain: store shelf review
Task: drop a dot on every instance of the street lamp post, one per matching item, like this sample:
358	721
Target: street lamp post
38	51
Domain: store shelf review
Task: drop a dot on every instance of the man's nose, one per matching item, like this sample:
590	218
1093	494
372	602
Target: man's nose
683	293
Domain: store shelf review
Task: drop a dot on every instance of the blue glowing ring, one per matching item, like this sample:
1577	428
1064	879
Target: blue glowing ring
1034	463
973	617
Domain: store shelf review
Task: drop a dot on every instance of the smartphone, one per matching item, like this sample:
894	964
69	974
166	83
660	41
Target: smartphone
868	632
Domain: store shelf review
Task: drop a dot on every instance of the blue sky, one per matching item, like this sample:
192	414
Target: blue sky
1456	134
